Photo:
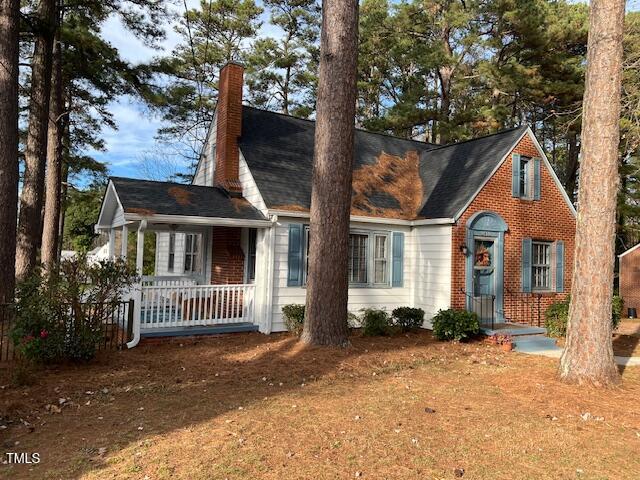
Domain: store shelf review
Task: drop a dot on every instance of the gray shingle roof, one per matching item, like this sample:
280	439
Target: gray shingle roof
167	198
279	151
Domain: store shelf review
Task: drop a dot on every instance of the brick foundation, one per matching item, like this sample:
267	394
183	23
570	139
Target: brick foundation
549	218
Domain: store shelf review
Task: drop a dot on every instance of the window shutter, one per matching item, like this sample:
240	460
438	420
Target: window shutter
515	175
398	259
536	179
559	266
294	275
526	264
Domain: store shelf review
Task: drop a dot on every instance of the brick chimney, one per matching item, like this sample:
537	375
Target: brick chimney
229	127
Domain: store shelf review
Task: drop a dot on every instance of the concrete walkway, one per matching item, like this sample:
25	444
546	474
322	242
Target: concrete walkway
541	345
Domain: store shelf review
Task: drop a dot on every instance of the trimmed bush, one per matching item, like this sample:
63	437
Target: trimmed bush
556	316
293	317
408	318
453	324
375	322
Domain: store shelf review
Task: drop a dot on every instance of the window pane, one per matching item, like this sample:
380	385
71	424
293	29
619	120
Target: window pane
358	258
541	266
251	257
524	177
380	273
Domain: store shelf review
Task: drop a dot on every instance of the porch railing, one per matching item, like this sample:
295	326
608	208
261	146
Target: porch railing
196	305
523	307
168	280
483	306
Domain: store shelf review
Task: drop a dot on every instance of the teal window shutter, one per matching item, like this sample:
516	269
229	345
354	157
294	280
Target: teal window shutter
294	275
559	266
515	175
536	179
398	259
526	264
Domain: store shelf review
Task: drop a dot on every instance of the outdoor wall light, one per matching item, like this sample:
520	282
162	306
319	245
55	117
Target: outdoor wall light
464	249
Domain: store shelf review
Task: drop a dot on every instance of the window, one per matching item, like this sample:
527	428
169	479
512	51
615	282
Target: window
358	258
541	266
191	250
380	259
251	255
172	252
525	176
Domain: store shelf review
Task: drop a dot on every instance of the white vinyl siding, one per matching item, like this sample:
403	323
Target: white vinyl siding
430	268
374	297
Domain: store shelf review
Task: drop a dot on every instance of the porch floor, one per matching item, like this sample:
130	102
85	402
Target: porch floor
205	330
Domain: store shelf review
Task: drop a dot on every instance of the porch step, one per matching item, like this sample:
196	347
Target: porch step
536	344
191	331
515	330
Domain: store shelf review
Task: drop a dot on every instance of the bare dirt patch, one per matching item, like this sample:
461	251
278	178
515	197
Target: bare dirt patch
254	406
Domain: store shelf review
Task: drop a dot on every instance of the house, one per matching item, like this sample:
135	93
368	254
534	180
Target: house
483	225
629	276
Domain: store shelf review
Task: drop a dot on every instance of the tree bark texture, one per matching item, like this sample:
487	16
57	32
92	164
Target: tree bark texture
9	28
31	198
588	355
327	282
51	222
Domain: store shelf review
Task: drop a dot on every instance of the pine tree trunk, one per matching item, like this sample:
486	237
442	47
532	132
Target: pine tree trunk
327	282
588	355
571	172
9	28
31	198
54	164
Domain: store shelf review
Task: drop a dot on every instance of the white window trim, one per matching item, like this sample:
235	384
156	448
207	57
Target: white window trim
552	273
171	256
196	256
529	177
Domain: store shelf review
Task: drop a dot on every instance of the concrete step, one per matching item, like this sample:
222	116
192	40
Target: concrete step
515	331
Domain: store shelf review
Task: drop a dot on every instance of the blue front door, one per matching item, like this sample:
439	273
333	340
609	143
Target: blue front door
484	276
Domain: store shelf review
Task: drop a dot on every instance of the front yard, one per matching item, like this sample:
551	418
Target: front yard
254	406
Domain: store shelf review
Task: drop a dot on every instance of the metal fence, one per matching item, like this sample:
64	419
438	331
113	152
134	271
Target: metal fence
523	307
113	322
484	306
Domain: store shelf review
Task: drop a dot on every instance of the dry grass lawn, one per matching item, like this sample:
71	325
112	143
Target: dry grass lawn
254	406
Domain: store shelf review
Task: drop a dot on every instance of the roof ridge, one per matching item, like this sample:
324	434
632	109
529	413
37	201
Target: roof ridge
435	145
482	137
161	181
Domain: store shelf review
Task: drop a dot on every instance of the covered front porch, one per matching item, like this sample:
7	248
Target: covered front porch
198	275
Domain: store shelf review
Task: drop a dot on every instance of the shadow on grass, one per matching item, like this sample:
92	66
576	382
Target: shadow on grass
162	387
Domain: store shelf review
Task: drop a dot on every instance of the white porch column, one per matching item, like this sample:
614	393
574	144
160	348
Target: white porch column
140	246
112	243
125	241
137	307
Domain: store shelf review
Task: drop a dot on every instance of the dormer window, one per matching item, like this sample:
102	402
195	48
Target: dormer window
525	177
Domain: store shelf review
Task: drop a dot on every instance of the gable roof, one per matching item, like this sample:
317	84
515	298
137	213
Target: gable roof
148	197
279	152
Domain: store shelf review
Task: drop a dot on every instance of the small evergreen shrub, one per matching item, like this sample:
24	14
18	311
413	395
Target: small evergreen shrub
556	316
293	317
453	324
408	318
375	322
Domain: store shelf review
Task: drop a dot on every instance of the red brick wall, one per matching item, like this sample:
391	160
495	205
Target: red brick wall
227	259
549	218
229	127
630	280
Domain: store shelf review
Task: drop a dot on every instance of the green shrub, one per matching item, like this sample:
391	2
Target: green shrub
408	318
293	317
455	324
56	314
375	322
556	316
